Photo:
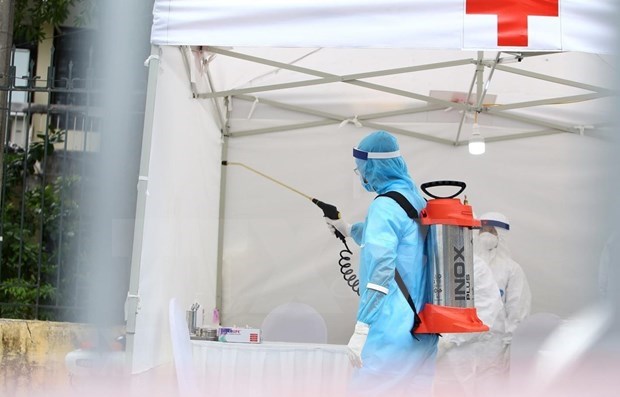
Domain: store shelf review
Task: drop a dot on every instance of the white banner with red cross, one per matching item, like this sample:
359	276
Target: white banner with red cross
523	25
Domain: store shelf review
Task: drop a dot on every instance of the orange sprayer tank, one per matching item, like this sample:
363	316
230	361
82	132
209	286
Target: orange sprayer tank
449	245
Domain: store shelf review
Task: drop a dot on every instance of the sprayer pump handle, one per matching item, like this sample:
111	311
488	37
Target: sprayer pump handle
426	185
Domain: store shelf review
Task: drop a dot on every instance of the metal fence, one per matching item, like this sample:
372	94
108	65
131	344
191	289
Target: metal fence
52	136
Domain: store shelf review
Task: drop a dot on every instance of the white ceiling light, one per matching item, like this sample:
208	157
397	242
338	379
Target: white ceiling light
476	142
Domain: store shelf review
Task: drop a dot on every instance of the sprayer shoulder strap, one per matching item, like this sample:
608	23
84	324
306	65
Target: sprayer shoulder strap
413	214
403	202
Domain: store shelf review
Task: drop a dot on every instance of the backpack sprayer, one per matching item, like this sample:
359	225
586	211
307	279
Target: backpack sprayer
329	211
449	255
449	246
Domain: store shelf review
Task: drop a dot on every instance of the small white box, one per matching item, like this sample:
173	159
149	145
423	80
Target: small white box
239	335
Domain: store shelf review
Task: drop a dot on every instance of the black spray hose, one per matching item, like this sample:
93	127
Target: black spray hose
331	212
346	270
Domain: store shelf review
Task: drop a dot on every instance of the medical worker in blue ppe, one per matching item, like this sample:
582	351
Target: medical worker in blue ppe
391	361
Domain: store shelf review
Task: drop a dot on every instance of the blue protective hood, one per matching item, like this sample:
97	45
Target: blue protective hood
383	174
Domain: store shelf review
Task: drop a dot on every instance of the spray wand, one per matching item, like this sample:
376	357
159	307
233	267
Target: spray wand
329	211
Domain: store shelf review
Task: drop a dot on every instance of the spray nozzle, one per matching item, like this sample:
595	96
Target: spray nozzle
329	211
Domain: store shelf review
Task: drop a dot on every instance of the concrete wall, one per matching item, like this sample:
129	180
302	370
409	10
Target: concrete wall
32	355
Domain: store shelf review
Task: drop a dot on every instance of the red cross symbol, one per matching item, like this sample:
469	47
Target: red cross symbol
512	16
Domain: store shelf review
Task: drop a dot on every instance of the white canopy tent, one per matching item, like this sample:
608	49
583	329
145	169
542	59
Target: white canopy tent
288	88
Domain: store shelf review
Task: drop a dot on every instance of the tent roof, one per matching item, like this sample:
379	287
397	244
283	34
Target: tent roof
420	68
567	25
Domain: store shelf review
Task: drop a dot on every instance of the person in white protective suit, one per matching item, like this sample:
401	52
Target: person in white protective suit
470	364
490	245
391	361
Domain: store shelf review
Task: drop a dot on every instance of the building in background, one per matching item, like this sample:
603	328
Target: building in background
52	179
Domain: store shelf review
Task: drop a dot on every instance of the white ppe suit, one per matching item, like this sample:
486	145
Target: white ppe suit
509	276
470	364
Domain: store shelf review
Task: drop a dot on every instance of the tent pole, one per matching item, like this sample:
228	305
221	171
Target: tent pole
132	304
479	79
557	80
216	104
334	118
533	121
482	89
549	101
478	76
186	54
220	230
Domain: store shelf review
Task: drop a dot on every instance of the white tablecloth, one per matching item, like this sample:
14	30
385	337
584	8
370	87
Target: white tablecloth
271	369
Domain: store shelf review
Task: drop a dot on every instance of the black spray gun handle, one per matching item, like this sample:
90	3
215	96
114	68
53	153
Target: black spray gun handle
331	212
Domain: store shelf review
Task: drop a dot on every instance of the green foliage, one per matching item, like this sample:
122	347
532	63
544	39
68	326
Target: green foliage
39	222
20	290
32	15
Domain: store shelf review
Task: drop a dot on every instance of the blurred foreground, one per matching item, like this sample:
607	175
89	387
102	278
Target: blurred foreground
581	356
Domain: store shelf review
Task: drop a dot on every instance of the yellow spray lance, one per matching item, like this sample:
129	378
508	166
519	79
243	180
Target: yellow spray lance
329	211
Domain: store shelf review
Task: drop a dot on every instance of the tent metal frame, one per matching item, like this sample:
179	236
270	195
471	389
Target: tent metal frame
430	103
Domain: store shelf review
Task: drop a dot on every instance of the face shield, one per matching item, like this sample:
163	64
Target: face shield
363	155
495	223
361	161
492	226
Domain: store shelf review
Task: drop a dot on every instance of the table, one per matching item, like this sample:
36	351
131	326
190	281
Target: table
271	369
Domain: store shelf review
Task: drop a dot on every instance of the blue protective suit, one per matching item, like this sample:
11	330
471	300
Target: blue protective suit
394	362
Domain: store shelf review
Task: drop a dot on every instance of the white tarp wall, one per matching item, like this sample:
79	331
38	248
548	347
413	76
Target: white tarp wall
179	246
276	247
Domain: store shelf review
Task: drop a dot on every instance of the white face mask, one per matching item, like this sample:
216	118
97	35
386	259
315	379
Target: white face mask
487	241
